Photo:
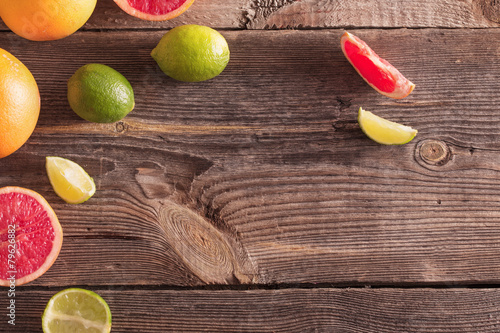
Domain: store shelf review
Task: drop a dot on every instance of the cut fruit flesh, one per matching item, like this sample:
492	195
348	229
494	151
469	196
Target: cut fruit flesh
384	131
76	310
377	72
154	10
27	218
69	180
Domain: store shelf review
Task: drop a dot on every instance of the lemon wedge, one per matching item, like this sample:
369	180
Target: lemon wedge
384	131
76	310
69	180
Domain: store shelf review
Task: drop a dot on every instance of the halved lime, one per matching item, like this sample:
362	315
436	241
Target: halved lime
69	180
76	310
384	131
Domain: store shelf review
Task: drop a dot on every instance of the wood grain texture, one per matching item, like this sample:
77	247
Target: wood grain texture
264	14
287	311
265	168
372	13
491	10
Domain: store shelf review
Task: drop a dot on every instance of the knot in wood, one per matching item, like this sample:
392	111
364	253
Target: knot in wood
435	152
491	9
120	127
204	249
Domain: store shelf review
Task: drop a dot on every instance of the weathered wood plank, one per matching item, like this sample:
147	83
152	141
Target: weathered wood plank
263	14
262	174
291	310
219	13
372	13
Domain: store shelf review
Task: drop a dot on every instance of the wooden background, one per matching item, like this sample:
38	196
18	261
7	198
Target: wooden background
253	202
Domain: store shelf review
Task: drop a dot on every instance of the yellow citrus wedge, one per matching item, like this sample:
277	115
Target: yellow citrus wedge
76	310
384	131
69	180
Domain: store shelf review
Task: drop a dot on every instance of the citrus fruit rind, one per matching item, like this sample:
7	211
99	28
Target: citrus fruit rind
154	10
69	180
76	310
19	103
100	94
192	53
384	131
377	72
38	235
45	20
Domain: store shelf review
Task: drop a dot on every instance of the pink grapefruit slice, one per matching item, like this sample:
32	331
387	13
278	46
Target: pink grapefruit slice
154	10
377	72
30	236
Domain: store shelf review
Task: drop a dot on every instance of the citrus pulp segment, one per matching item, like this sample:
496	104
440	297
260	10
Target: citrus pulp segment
69	180
384	131
154	10
100	94
30	236
377	72
192	53
76	310
19	103
44	20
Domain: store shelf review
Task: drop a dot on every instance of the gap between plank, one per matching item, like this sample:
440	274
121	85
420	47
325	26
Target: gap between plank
415	285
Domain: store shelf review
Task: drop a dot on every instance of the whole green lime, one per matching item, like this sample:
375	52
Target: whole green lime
192	53
100	94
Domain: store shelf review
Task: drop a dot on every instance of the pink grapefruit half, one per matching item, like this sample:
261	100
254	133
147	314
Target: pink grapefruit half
30	236
154	10
377	72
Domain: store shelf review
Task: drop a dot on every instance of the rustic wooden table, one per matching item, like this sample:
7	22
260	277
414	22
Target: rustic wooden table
253	202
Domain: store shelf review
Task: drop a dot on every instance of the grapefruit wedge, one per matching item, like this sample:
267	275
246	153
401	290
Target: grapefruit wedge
154	10
30	236
377	72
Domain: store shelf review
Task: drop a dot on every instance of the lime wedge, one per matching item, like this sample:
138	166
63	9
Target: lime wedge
69	180
76	310
384	131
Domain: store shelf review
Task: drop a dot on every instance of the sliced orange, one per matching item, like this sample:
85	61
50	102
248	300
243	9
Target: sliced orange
30	236
154	10
377	72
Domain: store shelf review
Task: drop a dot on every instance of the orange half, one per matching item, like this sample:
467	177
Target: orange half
377	72
30	236
154	10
